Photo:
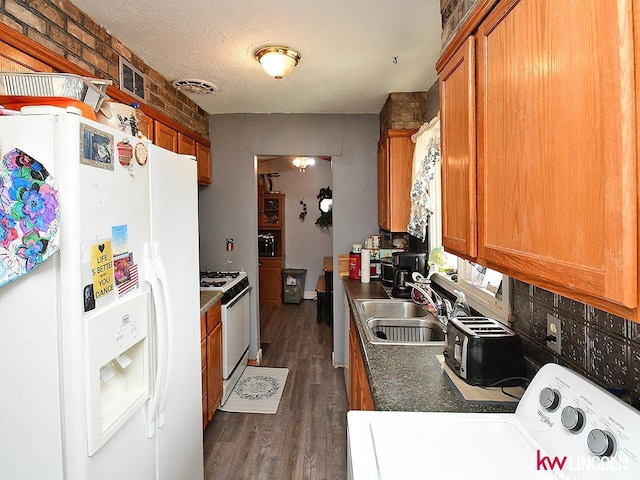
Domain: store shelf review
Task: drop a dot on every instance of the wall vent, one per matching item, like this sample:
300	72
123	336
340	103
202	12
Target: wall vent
132	80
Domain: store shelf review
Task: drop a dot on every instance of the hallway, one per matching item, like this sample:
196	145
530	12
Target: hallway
306	438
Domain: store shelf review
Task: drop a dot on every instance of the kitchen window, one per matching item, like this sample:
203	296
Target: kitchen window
486	290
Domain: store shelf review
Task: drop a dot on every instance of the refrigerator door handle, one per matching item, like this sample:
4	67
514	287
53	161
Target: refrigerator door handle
160	334
170	326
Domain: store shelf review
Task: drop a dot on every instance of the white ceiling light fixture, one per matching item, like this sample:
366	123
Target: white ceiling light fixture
277	61
303	162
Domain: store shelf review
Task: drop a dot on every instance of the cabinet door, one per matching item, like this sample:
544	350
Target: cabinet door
165	137
270	210
359	391
400	165
383	184
203	361
270	280
203	156
205	398
458	145
214	368
145	125
395	161
557	178
354	391
186	145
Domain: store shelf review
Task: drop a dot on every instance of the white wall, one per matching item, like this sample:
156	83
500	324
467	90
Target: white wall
228	206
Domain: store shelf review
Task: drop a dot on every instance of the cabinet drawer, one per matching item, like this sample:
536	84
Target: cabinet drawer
214	316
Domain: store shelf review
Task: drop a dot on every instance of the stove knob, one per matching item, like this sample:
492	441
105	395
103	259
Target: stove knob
601	443
572	419
549	398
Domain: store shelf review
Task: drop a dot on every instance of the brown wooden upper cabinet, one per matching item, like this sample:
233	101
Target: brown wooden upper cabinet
270	211
555	116
395	160
458	148
203	155
186	145
165	137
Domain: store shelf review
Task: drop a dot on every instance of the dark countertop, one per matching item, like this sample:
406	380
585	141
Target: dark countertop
207	299
407	377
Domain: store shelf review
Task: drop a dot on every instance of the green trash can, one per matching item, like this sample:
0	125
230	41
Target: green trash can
293	284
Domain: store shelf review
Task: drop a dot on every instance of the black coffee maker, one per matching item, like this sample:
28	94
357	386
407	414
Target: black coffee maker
404	264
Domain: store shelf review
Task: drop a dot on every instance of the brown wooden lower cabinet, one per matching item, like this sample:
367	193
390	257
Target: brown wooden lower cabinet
211	353
270	280
214	368
203	360
359	391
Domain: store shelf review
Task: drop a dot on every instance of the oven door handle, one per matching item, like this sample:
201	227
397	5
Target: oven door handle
237	299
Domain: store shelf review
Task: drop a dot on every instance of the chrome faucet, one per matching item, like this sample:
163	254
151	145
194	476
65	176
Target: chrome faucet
440	305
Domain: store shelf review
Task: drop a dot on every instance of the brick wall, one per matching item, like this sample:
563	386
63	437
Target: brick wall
62	28
453	14
403	111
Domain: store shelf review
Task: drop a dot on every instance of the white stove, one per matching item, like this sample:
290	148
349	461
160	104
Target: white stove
236	335
564	427
222	280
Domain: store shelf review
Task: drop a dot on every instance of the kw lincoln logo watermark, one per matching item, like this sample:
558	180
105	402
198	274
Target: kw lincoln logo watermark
574	465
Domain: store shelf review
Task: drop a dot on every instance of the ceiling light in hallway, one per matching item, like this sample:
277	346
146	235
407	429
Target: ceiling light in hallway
303	162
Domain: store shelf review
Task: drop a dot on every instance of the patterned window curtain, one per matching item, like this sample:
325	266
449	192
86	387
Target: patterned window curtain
425	156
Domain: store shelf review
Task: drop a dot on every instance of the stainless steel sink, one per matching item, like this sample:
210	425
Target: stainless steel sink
404	331
390	309
399	322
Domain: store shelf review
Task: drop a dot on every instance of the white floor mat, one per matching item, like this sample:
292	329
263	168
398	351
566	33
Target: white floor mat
258	391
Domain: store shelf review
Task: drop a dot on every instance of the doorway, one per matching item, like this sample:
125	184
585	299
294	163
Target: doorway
288	209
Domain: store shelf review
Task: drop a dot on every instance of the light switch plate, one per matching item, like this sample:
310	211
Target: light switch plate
554	330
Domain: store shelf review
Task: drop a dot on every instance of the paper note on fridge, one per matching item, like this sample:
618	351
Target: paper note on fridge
102	268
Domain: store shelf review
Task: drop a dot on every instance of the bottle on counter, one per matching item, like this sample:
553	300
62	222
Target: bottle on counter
354	265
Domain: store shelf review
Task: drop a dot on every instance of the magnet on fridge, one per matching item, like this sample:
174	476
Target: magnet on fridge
141	154
125	152
229	244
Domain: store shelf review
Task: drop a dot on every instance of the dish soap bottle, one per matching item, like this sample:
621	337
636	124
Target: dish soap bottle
460	307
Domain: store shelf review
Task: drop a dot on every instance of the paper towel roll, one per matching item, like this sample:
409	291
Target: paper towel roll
365	266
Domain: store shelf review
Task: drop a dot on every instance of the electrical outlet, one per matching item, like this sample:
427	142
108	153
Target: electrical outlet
554	333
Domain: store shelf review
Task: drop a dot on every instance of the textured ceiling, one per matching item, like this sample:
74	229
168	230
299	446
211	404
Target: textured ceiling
347	46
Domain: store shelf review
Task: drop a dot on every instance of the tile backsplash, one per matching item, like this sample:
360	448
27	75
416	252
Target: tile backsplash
603	347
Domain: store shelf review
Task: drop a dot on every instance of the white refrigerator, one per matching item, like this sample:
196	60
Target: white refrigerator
99	304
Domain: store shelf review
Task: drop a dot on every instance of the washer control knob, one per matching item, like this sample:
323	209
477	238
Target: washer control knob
601	442
549	398
572	419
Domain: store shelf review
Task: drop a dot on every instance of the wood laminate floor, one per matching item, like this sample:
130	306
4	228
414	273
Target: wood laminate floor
306	438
